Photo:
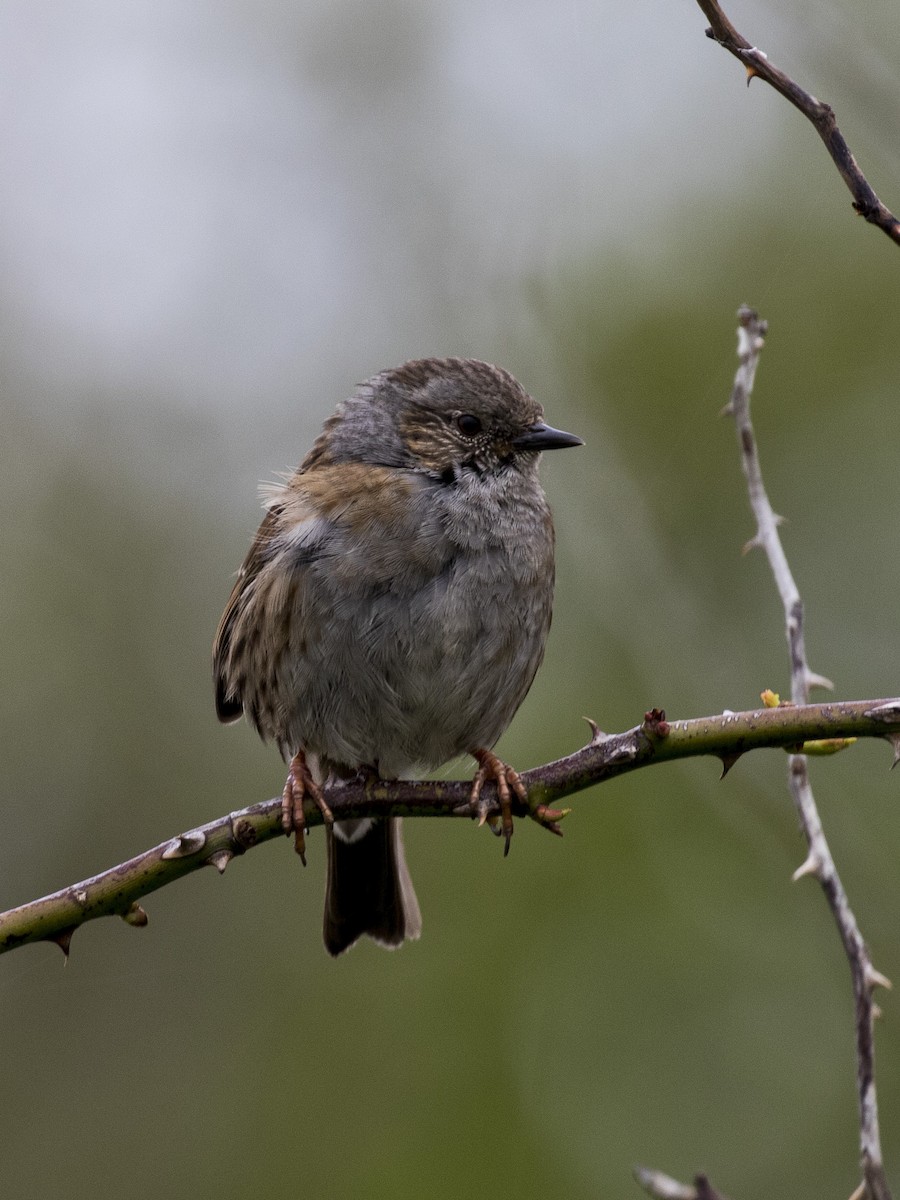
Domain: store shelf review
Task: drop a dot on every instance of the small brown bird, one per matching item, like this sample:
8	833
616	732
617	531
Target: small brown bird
392	611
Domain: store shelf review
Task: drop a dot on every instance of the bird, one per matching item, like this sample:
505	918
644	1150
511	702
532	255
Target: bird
392	612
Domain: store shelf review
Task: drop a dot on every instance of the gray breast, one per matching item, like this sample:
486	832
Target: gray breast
425	649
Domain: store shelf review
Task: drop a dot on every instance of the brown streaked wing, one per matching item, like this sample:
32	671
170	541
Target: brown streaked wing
230	708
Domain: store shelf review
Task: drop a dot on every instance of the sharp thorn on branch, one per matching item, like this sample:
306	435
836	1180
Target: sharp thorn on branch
185	845
63	939
597	734
753	544
220	860
875	979
728	761
894	739
135	915
812	865
814	680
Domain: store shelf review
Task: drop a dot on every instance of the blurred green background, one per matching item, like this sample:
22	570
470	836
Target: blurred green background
217	218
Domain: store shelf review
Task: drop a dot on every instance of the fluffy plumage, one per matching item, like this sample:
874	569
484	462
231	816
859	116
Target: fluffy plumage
393	608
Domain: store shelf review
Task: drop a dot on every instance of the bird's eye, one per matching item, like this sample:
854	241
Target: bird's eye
468	425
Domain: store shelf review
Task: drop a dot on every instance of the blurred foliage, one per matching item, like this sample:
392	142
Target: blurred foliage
651	988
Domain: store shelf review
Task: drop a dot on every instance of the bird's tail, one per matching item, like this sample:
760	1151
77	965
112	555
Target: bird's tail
368	889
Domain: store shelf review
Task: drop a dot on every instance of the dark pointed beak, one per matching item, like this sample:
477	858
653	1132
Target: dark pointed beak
543	437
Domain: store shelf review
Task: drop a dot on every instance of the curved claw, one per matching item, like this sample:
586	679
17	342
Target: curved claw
507	781
298	785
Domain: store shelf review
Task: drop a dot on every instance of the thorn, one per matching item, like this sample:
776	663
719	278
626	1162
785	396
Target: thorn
811	866
876	1011
875	979
728	761
894	739
860	1192
185	845
727	410
890	711
778	520
597	734
135	915
754	544
819	681
220	860
752	73
64	940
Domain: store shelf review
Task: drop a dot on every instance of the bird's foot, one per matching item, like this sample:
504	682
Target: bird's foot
508	782
298	785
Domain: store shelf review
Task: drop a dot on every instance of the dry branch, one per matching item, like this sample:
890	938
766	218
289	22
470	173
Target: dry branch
819	862
865	201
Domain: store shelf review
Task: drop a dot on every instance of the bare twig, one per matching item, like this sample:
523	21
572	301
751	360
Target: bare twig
865	201
116	892
819	862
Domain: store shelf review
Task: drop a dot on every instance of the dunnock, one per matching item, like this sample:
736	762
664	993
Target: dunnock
392	611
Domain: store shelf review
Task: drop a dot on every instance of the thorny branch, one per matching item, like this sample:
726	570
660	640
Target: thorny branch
819	862
116	892
865	201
